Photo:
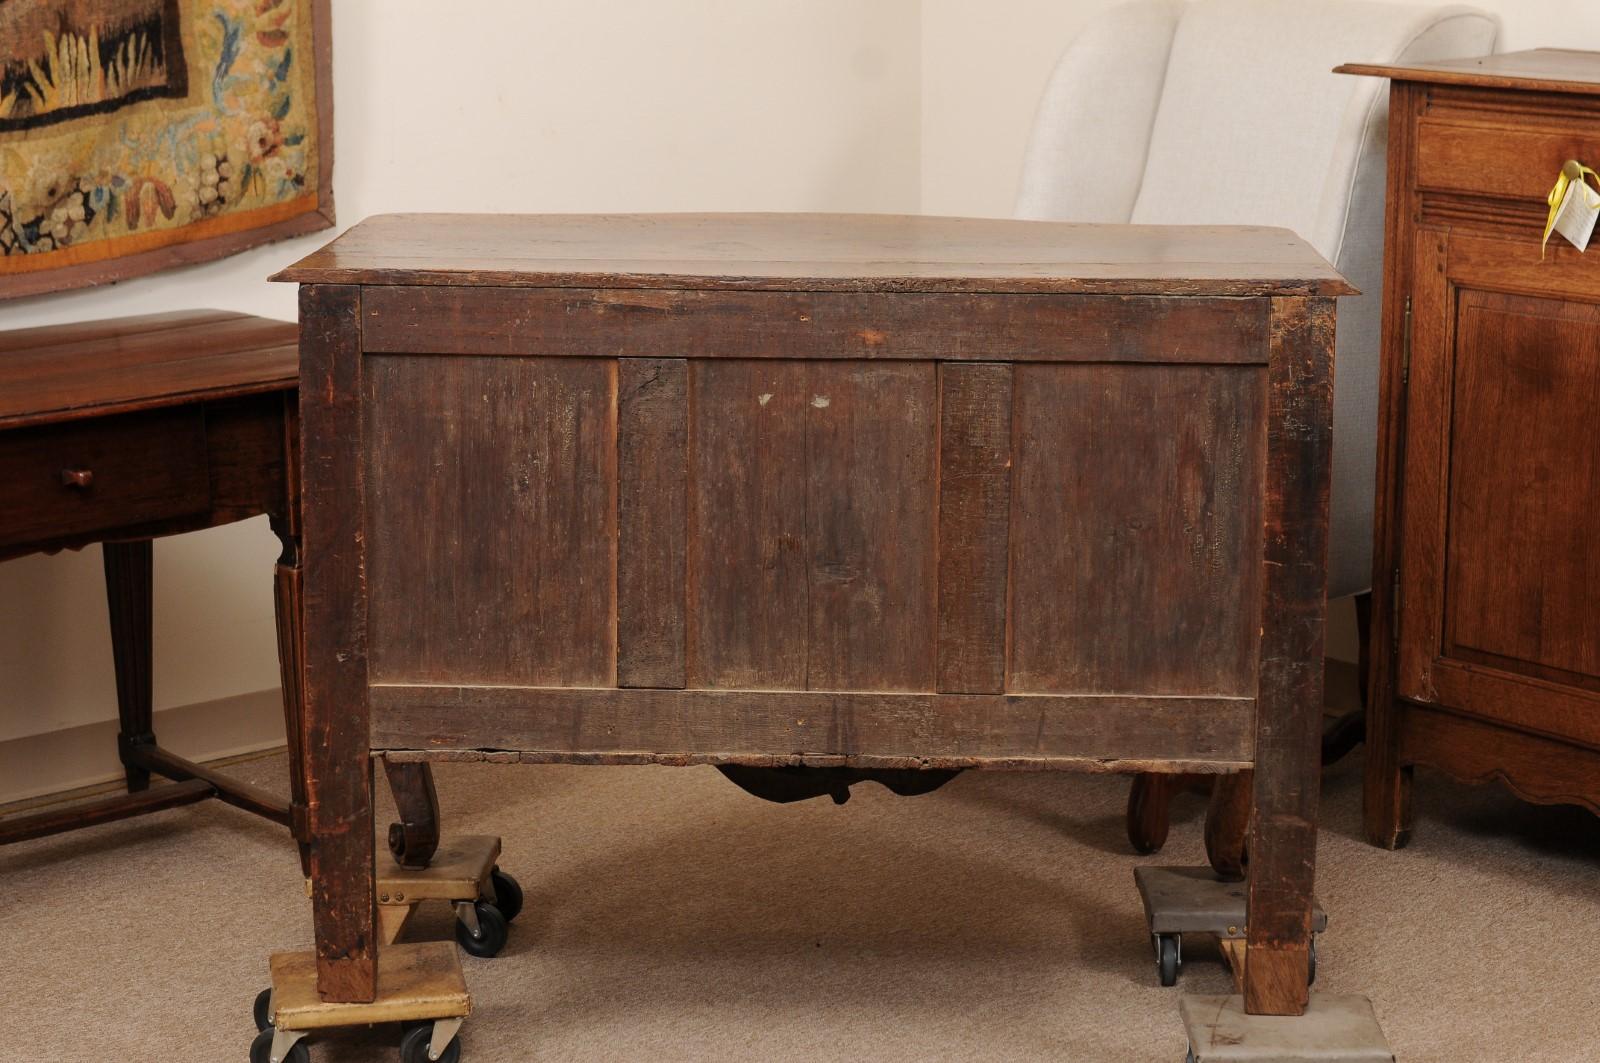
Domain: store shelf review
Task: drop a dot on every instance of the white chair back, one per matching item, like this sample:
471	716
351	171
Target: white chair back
1228	112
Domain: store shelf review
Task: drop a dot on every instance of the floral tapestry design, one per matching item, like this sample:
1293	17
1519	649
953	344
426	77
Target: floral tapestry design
136	134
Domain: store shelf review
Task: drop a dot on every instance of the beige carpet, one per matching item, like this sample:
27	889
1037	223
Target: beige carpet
672	917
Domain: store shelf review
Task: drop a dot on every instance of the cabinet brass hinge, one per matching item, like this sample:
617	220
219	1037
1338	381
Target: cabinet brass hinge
1405	348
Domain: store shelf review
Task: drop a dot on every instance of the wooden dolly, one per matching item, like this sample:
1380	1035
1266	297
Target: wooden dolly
463	873
419	986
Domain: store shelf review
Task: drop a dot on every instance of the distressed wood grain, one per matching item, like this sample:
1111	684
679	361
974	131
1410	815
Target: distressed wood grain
747	589
491	494
753	726
652	501
338	768
1288	763
1137	533
869	516
974	525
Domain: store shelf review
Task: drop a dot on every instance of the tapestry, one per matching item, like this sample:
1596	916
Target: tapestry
140	134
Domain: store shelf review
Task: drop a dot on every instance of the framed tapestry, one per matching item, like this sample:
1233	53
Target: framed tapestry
141	134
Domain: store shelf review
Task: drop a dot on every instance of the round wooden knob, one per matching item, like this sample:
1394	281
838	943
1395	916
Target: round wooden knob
77	477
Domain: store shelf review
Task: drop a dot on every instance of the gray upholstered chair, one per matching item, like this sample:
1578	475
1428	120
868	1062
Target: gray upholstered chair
1227	112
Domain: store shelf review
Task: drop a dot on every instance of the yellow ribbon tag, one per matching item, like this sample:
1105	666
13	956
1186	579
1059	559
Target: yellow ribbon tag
1571	171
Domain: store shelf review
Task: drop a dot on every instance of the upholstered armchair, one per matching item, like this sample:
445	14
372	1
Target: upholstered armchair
1227	112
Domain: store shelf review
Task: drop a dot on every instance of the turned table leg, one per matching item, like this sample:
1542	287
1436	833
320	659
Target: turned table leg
128	568
1150	809
1228	824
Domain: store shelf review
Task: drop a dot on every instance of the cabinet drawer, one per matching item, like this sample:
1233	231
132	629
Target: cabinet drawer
1494	161
77	478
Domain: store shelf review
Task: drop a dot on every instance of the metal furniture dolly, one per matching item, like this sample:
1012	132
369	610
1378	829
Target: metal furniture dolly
1194	900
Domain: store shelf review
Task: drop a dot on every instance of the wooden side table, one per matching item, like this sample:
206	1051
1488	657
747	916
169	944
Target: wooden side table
822	492
1486	630
120	431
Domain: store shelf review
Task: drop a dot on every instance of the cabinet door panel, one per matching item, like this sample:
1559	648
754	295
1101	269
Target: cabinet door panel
1500	585
1523	560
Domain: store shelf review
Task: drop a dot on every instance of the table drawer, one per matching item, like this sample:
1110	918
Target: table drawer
76	478
1494	161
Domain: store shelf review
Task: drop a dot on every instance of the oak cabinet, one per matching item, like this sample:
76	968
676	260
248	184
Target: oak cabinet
1486	638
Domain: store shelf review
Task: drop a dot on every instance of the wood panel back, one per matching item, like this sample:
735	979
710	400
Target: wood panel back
1135	529
491	516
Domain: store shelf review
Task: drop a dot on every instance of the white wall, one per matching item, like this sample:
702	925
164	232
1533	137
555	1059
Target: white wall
555	105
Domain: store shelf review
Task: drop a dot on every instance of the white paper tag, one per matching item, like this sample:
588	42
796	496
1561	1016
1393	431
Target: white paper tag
1580	207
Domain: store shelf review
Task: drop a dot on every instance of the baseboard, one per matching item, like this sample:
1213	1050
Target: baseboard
77	759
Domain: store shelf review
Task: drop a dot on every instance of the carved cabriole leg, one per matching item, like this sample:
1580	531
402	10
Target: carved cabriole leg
1149	805
128	568
1283	824
415	837
336	726
1228	823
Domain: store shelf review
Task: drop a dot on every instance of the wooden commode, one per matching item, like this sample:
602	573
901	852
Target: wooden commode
848	492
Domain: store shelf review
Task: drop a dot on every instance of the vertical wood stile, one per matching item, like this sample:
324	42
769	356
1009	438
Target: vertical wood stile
652	419
974	525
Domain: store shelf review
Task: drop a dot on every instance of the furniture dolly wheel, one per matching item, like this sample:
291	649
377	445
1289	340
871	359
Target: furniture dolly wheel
261	1049
480	928
1169	957
417	1046
262	1009
507	894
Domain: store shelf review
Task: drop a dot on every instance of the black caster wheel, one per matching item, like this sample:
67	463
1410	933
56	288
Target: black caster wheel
491	935
1311	964
507	894
414	1047
261	1050
1167	961
262	1010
